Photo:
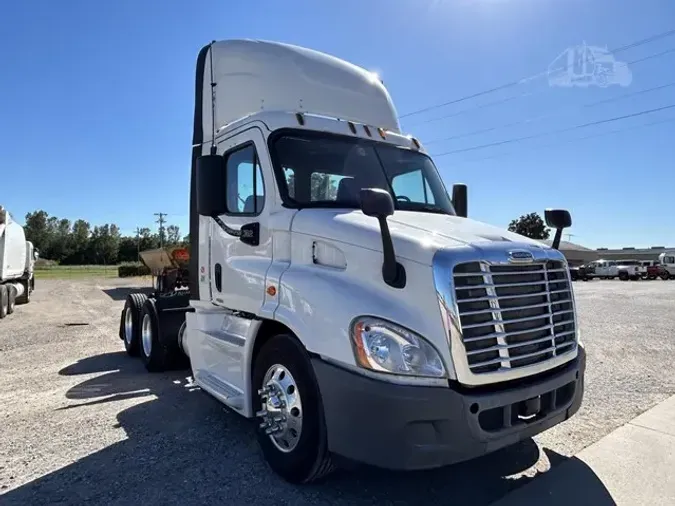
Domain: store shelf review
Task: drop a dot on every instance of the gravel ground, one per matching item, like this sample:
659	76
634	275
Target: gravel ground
79	420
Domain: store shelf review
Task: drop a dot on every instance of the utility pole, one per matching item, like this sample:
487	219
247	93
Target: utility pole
138	244
161	222
569	236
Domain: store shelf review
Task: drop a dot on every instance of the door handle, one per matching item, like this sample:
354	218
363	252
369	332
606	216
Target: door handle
219	277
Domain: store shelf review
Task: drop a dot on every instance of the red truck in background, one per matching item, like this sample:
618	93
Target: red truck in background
656	270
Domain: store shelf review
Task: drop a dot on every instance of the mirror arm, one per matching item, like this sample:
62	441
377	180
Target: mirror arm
249	233
393	272
556	239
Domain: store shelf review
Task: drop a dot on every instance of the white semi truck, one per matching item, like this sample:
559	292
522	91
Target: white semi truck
338	293
17	260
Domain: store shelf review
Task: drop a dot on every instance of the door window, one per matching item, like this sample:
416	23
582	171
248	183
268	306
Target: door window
246	189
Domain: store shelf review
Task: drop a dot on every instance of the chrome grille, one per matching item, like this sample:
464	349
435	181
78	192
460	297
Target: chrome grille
514	315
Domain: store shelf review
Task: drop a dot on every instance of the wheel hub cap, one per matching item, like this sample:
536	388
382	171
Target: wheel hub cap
146	335
128	325
281	408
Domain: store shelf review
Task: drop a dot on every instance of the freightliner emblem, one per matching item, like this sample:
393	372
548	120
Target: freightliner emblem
520	256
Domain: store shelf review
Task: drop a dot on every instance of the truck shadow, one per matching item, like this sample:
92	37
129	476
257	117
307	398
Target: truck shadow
121	292
183	447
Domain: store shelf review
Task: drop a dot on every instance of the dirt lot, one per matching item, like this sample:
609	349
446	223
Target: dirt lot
79	420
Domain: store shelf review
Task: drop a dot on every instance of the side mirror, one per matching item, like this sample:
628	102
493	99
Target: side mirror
376	202
211	185
460	199
557	219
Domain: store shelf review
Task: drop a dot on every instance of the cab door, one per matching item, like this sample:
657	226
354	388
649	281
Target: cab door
240	253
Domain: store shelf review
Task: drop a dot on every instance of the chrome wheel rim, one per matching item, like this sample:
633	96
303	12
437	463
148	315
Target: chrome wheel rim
281	408
146	335
128	325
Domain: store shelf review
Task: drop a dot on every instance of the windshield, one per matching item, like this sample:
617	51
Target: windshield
321	170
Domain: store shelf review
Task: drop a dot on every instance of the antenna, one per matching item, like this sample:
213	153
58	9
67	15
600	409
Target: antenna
213	102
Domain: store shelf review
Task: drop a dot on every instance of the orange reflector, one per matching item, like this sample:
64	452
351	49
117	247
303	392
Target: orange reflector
381	132
271	291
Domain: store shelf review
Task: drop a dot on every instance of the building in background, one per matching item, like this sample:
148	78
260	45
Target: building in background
577	255
627	253
574	253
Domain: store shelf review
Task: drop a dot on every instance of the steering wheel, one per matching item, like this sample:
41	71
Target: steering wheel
403	197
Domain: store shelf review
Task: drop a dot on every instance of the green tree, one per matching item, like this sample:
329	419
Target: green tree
148	240
172	235
79	240
105	244
530	225
37	231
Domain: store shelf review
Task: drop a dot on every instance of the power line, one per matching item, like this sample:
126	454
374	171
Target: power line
475	108
161	222
516	97
544	116
575	139
562	130
533	77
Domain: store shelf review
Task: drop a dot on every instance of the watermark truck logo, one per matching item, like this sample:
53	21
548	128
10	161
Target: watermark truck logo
585	66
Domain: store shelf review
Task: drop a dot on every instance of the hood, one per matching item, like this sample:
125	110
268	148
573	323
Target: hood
416	236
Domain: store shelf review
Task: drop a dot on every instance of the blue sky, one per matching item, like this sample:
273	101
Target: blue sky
97	100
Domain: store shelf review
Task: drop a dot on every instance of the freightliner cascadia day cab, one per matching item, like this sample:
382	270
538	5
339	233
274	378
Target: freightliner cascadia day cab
339	294
17	260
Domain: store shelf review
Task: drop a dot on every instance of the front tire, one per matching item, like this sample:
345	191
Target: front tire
28	287
292	435
11	299
4	301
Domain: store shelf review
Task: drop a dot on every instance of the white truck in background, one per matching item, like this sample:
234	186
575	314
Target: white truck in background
338	293
667	262
630	269
17	261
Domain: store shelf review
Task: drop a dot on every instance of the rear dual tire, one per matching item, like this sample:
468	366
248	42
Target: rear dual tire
130	331
156	354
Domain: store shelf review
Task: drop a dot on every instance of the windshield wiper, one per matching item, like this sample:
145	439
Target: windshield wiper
424	208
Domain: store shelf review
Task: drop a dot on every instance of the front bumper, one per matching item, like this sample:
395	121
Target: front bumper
413	427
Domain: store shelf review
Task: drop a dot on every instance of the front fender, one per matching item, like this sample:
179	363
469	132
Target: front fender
319	303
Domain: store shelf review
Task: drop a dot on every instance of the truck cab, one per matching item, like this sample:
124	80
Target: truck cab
667	262
630	269
339	293
603	269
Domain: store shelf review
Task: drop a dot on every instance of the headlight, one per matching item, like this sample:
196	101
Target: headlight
385	347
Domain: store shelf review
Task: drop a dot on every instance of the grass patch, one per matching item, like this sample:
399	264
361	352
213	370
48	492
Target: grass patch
75	271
